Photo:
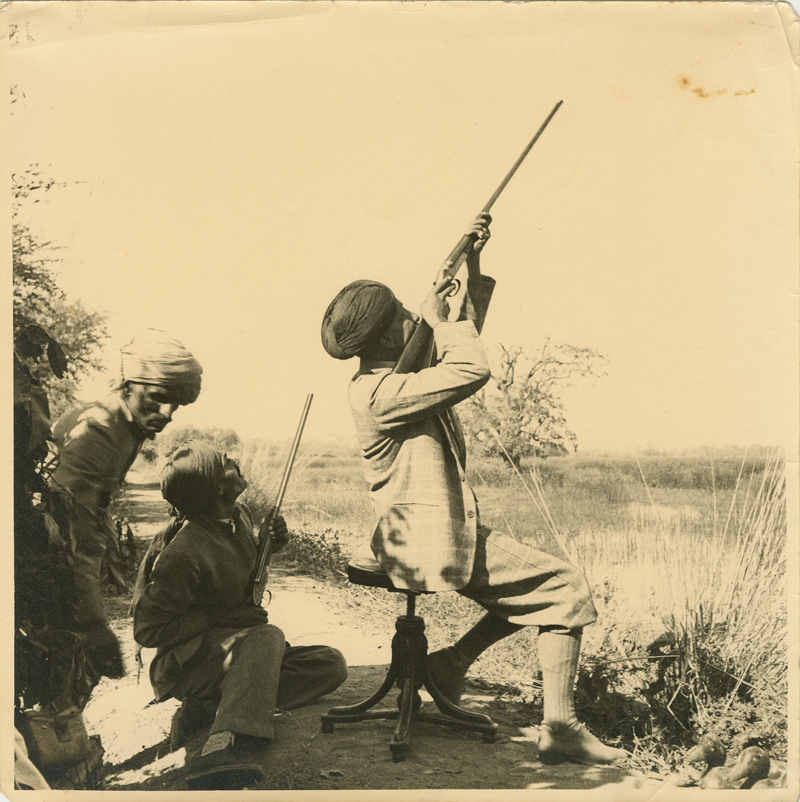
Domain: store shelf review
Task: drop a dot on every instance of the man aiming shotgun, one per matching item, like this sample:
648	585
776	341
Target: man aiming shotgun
428	534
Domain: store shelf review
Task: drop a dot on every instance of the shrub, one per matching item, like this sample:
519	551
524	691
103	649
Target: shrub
319	554
717	660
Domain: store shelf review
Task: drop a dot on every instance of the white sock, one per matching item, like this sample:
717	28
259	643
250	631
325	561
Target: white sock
558	657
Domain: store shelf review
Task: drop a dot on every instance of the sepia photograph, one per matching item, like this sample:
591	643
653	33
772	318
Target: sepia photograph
327	314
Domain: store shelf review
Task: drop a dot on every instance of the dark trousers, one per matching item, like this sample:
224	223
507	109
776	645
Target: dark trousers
253	672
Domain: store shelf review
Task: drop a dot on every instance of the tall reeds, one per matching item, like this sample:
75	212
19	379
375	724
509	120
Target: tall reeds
693	607
705	602
723	598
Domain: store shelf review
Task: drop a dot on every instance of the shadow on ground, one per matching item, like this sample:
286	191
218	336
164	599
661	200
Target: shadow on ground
135	731
357	756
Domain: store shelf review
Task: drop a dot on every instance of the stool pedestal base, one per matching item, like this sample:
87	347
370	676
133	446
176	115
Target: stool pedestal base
409	672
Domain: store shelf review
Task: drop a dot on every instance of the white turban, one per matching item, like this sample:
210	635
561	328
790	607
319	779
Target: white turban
153	357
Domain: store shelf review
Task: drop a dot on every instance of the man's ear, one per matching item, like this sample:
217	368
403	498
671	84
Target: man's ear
393	338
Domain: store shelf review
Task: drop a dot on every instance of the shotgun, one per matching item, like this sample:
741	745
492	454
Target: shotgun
260	575
418	352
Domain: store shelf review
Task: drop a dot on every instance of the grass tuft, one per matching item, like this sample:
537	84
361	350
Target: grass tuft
687	563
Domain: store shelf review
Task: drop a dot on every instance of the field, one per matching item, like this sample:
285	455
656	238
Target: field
686	558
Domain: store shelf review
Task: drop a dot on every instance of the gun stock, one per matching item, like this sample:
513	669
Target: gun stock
261	573
419	350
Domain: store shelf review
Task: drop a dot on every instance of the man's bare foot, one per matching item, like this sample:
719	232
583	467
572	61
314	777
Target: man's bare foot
574	743
448	675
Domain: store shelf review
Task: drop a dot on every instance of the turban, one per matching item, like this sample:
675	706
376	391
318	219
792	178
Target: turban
362	311
191	477
153	357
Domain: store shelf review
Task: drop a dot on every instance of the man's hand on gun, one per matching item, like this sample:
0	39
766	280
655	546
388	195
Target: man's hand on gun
479	231
436	307
279	533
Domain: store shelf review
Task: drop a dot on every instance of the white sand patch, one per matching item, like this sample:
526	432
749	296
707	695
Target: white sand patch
174	760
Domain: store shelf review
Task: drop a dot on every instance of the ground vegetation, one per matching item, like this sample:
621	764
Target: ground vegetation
686	558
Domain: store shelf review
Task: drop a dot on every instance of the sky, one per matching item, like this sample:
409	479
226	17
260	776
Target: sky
228	167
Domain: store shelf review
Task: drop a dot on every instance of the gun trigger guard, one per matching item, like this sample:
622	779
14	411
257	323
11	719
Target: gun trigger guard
269	596
454	289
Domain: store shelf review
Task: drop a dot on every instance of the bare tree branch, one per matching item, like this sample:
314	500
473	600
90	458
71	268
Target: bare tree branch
523	401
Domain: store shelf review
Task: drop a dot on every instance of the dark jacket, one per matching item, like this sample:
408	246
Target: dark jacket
200	576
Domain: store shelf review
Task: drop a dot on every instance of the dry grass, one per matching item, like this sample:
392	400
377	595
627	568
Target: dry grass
688	573
707	609
727	586
326	491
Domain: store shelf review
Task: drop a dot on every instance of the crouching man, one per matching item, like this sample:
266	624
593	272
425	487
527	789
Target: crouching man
216	650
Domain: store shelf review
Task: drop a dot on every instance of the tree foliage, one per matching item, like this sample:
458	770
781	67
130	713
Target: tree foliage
39	301
51	668
522	402
44	591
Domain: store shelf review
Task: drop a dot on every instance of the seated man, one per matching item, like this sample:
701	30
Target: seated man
429	535
214	645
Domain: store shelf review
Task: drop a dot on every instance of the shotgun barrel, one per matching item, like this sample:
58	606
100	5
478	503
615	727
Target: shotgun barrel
418	350
261	574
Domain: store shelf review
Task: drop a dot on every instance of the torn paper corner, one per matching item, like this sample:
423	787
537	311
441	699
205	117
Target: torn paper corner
791	27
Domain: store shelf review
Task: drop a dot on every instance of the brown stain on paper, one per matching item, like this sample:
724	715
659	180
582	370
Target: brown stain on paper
684	82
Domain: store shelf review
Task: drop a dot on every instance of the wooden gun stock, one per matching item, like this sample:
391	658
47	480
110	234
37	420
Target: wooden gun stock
261	574
418	352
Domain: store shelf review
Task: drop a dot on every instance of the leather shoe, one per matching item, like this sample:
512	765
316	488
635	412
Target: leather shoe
228	769
574	743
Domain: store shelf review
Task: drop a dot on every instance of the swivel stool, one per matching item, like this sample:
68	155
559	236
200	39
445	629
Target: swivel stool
409	671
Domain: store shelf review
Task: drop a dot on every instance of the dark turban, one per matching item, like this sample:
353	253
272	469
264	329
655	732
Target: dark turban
362	311
191	477
153	357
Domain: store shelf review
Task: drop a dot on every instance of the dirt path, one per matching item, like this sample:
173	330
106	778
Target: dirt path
356	756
